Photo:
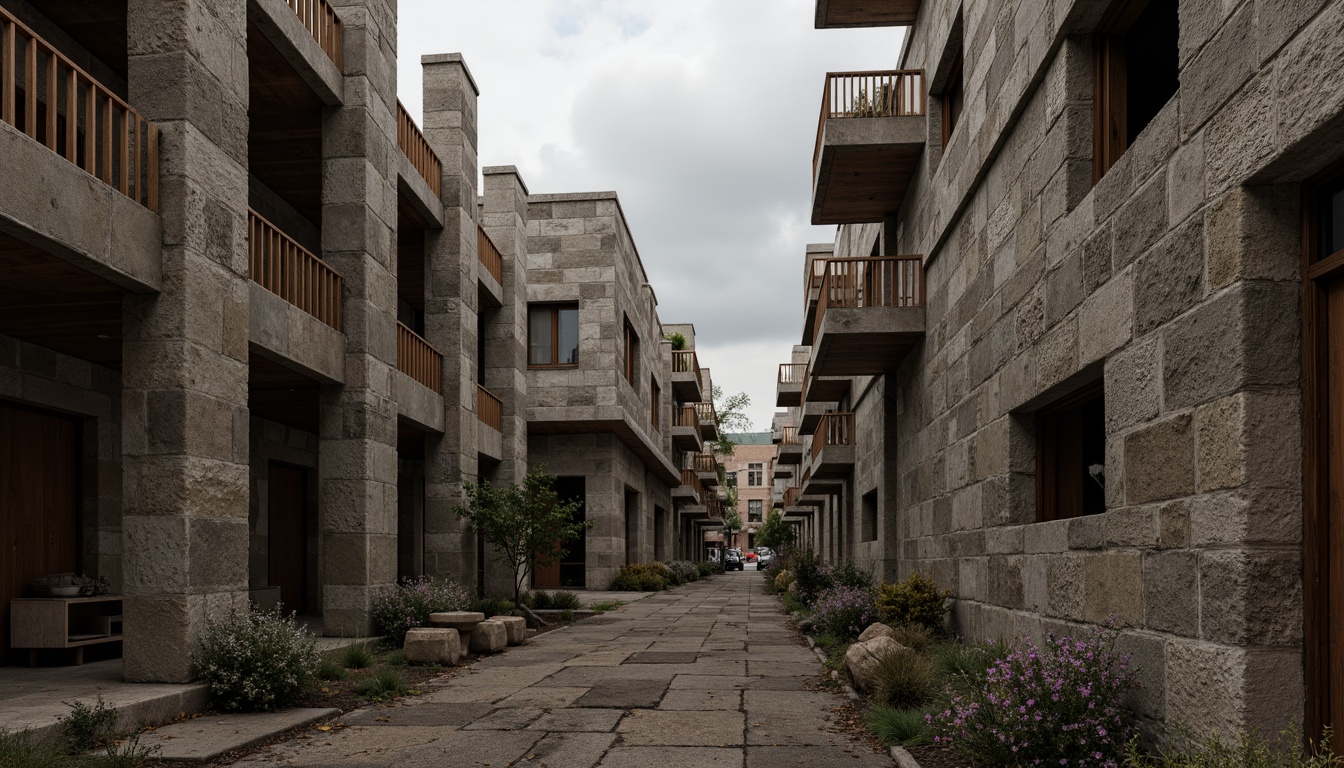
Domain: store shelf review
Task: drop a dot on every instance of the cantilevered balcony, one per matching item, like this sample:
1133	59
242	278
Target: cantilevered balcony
869	139
789	388
869	316
686	428
826	389
706	467
489	408
321	20
709	420
416	149
292	272
691	490
686	376
790	449
841	14
833	446
423	363
54	102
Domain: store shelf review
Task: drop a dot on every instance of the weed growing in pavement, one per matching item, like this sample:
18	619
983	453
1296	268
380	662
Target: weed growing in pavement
384	684
607	605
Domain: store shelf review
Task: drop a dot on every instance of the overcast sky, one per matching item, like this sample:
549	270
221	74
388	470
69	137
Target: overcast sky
700	114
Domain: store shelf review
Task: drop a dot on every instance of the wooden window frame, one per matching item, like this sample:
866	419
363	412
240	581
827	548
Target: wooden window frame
554	309
1110	94
955	84
1047	504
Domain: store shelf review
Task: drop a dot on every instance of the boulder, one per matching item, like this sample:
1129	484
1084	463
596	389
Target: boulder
463	621
877	630
862	659
490	636
516	627
432	645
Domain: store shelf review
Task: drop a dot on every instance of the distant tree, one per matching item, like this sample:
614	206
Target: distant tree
731	414
732	522
528	526
775	533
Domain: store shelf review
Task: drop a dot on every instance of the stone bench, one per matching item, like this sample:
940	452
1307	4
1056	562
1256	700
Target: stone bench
463	621
489	636
432	645
516	626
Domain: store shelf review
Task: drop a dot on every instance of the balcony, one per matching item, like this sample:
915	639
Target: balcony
489	255
783	471
841	14
869	316
790	449
789	386
416	149
489	409
417	359
833	446
706	467
826	389
292	272
686	376
55	103
869	139
686	428
816	269
690	489
709	420
321	20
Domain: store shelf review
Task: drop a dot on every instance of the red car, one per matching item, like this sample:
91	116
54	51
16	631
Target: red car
751	557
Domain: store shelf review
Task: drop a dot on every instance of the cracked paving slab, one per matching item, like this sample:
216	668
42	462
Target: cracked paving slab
704	675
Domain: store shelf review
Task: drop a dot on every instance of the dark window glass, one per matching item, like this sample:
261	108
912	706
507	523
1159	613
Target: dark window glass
1330	215
553	335
1071	456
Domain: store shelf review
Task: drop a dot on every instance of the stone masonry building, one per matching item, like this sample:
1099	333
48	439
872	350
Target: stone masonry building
751	466
1073	350
258	329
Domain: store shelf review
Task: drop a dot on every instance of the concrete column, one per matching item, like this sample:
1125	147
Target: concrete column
451	307
358	462
504	218
185	438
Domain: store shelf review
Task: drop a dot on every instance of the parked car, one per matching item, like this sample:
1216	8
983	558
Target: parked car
750	556
766	557
732	561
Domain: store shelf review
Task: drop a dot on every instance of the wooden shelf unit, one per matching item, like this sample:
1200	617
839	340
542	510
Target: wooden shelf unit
41	623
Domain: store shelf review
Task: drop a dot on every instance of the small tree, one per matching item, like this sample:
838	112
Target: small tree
731	413
775	533
527	525
731	522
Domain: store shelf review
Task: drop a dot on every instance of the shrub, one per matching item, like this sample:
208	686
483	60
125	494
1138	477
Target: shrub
256	660
1244	752
683	572
903	680
330	670
356	656
386	683
964	667
916	637
843	611
898	727
21	750
89	727
917	600
1059	704
849	574
641	577
705	570
565	601
540	600
491	606
811	576
409	605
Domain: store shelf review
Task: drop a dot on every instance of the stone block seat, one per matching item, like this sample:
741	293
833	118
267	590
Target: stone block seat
463	621
489	636
516	628
432	645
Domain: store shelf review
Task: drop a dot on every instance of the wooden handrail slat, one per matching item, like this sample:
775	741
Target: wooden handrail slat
282	266
489	255
416	148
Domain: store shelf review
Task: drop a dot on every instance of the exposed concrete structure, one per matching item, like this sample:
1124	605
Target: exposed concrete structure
1133	298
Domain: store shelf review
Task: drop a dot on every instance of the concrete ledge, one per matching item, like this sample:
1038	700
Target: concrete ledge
282	28
489	441
416	191
417	403
490	284
288	335
207	738
49	203
903	759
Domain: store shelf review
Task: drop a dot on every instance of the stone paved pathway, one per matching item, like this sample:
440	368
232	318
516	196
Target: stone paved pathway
704	675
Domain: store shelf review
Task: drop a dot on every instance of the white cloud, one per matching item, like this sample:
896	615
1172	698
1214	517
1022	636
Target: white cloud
701	114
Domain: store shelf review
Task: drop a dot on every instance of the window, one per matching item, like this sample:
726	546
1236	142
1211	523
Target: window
553	335
754	510
1137	72
631	352
755	474
1071	456
656	402
868	530
954	99
1329	215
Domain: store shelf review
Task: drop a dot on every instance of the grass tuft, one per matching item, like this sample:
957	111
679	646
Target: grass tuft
898	727
357	656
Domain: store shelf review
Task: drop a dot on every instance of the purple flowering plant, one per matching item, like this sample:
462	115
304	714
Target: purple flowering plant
1059	704
409	605
844	612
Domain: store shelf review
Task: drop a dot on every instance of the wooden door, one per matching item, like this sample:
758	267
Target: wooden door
287	510
1333	296
39	503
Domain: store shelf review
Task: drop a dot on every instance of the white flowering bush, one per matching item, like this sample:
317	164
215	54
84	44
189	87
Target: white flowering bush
256	660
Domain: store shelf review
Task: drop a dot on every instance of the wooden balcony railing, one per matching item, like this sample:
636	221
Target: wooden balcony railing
417	359
894	93
489	255
685	361
883	281
833	429
416	149
686	416
325	27
790	436
791	495
48	97
489	409
705	462
792	373
292	272
706	412
691	480
715	506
